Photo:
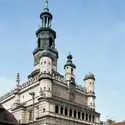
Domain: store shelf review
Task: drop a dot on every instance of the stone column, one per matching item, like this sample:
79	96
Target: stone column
59	110
85	116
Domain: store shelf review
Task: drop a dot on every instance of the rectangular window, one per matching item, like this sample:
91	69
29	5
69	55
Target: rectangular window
70	113
66	111
72	71
61	110
79	115
74	114
83	116
90	118
30	114
44	109
57	109
93	118
86	117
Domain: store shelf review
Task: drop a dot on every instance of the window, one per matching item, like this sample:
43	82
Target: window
74	114
45	20
49	63
50	42
86	117
90	118
82	115
38	42
30	114
66	111
44	88
72	71
49	89
93	118
70	112
79	115
57	109
67	67
44	62
44	94
90	82
61	110
44	71
43	109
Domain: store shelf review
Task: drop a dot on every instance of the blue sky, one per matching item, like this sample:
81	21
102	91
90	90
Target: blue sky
92	30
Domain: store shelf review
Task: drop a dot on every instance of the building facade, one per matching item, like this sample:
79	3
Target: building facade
49	97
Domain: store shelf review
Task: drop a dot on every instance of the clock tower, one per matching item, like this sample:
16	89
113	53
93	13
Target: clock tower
45	54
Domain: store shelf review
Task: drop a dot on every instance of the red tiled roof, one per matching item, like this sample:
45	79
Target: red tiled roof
8	117
117	123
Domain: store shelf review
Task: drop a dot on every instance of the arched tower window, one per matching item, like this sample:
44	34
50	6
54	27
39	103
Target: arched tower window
38	42
72	71
50	42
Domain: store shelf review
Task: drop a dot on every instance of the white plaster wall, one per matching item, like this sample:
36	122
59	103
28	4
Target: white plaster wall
68	70
54	67
46	65
37	67
60	91
90	101
46	87
89	84
25	95
68	74
80	98
42	105
20	115
8	104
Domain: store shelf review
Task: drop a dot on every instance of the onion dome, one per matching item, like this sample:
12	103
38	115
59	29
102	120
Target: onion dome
89	76
69	61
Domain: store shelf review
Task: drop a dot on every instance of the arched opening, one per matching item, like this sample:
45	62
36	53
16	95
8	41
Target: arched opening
45	21
50	42
56	109
61	110
72	71
38	42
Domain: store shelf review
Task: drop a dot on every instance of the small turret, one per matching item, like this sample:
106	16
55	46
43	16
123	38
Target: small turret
89	84
70	77
69	68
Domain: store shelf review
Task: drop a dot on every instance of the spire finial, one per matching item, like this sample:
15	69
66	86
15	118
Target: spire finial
46	5
18	79
69	57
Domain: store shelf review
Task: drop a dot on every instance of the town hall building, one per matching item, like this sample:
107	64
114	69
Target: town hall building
49	98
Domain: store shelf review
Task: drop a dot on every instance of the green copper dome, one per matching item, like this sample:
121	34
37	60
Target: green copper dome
89	76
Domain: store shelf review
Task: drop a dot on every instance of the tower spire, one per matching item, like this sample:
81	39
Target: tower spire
46	5
46	16
18	80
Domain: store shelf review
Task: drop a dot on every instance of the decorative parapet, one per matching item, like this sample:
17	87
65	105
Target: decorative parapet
79	87
58	77
22	86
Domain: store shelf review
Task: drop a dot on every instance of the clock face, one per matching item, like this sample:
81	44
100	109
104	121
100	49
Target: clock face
44	35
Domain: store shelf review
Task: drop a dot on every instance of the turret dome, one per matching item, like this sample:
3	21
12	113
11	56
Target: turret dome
89	76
